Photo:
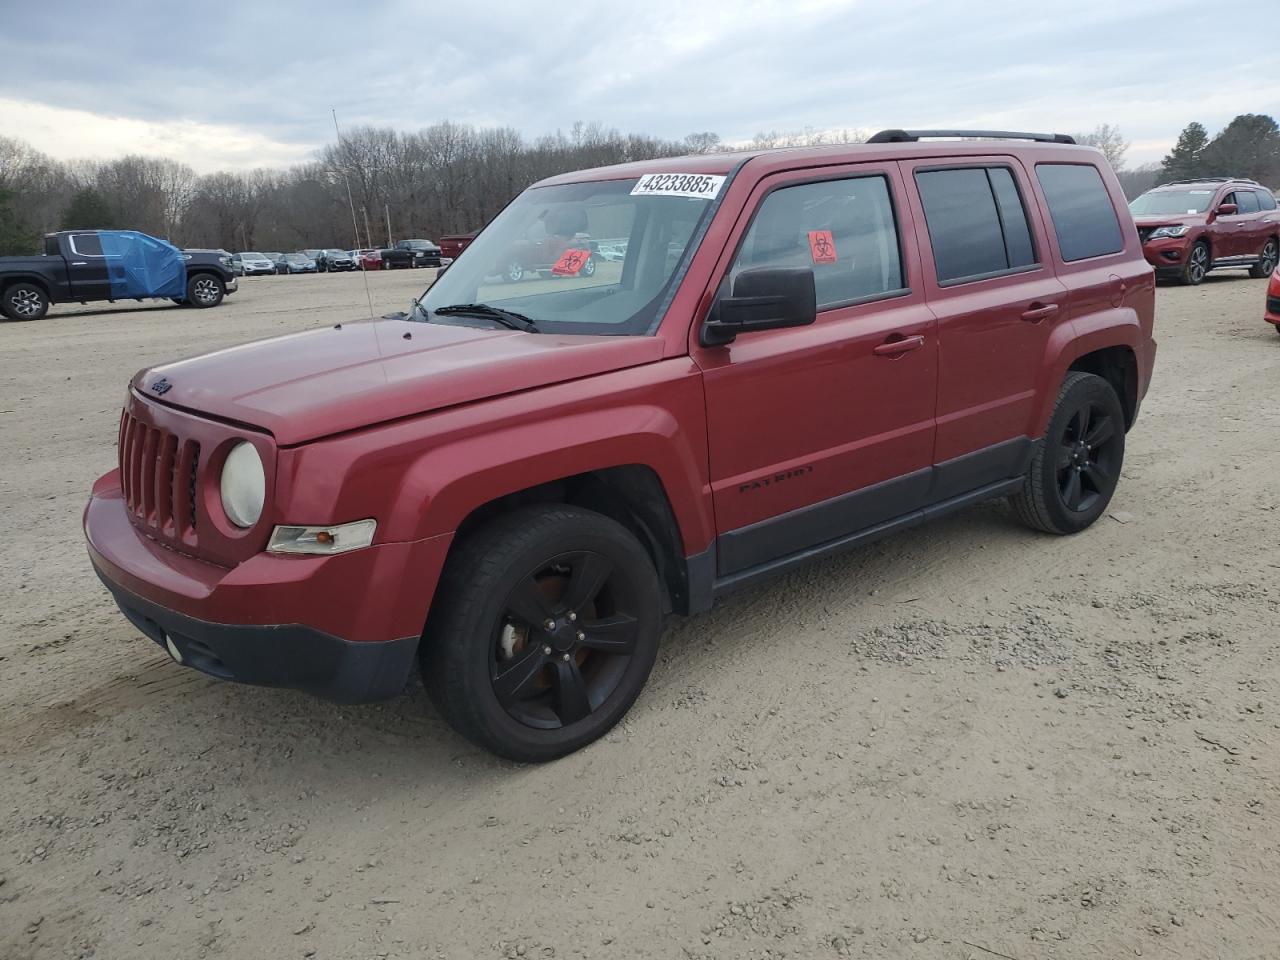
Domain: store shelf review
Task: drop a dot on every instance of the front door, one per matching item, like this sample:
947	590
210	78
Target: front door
817	432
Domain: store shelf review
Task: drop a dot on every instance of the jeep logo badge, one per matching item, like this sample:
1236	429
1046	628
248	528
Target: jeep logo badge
161	387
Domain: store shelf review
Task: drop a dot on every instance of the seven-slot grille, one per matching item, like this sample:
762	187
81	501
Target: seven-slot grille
158	479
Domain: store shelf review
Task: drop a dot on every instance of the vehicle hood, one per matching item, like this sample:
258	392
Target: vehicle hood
321	382
1164	220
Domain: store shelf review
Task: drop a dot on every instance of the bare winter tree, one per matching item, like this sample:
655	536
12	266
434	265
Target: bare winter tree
1107	138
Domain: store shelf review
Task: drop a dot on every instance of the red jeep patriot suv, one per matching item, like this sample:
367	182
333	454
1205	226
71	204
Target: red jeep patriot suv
513	484
1190	227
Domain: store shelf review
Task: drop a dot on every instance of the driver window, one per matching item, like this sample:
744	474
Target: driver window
844	230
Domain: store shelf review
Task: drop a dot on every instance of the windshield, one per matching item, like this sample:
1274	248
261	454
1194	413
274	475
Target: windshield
295	258
337	253
1171	203
579	258
252	256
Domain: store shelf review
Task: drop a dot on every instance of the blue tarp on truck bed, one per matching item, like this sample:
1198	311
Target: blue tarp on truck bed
142	266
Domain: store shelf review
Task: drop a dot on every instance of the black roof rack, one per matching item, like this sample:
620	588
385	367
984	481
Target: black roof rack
911	136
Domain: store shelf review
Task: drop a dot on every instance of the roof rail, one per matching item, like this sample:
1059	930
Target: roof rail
1171	183
911	136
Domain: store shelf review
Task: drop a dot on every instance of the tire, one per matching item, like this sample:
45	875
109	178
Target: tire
1197	265
1267	263
205	290
513	272
1077	465
511	685
588	268
24	301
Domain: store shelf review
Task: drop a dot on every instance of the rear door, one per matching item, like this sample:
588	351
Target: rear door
87	267
1233	228
816	432
1252	228
990	281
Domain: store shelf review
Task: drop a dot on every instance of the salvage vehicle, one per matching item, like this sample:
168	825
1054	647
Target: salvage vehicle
295	263
368	258
547	240
512	486
255	264
453	244
88	266
1189	227
336	261
1272	313
424	253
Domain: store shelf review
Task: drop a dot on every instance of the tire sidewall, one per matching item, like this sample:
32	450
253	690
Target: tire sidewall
1186	273
1086	389
468	644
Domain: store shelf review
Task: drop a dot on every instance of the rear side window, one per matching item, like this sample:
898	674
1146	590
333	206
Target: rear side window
1081	210
1266	201
1248	201
844	230
977	222
86	244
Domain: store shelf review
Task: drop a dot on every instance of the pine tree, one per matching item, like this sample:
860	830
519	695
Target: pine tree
88	210
1249	146
1184	161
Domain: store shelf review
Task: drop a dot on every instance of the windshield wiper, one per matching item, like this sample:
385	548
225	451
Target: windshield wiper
508	318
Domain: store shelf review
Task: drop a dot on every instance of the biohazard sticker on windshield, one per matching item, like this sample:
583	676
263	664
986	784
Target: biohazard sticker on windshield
570	262
822	246
700	186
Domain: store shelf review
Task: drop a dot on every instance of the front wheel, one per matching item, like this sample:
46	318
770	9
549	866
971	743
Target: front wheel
543	633
588	268
513	272
24	301
204	290
1077	465
1267	261
1197	265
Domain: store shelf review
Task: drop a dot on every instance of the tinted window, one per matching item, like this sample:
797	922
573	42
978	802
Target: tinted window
977	222
1081	210
1013	218
1266	200
1248	201
86	244
844	230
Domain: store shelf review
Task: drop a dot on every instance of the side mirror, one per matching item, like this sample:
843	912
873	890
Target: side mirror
767	298
1227	209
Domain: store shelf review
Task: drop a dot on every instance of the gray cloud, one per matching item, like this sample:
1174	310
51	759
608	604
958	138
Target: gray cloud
273	71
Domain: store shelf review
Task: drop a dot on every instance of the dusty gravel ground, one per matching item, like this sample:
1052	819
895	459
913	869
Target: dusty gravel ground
967	741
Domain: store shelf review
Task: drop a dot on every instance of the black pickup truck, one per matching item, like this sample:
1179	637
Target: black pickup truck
83	266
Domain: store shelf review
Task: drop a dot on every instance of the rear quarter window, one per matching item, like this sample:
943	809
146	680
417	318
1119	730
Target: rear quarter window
1248	201
1080	207
1267	201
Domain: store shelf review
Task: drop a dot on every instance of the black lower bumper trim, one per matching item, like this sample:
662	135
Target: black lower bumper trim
288	655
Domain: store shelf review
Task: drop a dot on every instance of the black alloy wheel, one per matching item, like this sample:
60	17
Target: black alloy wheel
544	629
1197	265
1267	260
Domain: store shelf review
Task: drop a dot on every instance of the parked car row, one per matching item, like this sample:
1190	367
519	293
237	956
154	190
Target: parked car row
403	255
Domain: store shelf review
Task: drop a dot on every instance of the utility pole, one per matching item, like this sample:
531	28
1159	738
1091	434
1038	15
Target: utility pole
368	234
387	209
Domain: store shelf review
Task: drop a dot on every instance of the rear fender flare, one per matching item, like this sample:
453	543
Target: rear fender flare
1116	327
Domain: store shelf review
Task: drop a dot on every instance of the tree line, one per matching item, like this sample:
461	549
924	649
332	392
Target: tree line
446	178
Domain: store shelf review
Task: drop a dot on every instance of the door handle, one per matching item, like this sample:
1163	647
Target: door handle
1039	311
78	263
893	348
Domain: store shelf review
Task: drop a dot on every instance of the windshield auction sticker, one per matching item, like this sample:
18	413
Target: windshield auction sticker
700	186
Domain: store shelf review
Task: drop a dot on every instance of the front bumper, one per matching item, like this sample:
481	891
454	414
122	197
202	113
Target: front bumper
344	627
1273	309
231	286
1167	255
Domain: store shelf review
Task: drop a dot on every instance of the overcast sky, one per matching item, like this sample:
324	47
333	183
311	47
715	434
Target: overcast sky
238	85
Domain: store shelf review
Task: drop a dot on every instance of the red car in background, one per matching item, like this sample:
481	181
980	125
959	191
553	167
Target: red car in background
455	243
1190	227
1272	315
369	259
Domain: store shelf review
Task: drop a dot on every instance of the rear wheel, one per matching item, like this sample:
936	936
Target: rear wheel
24	301
1077	465
544	631
205	290
1197	265
513	272
1267	262
588	267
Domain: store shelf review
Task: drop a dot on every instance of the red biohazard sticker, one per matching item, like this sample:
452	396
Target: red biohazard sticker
570	262
822	246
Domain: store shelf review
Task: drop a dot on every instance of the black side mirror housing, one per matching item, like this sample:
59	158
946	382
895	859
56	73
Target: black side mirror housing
767	298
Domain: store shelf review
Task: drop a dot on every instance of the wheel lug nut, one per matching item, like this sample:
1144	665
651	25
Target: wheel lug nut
546	651
565	657
572	616
549	624
581	636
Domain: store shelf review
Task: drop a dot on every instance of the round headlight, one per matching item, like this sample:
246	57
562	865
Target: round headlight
244	485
